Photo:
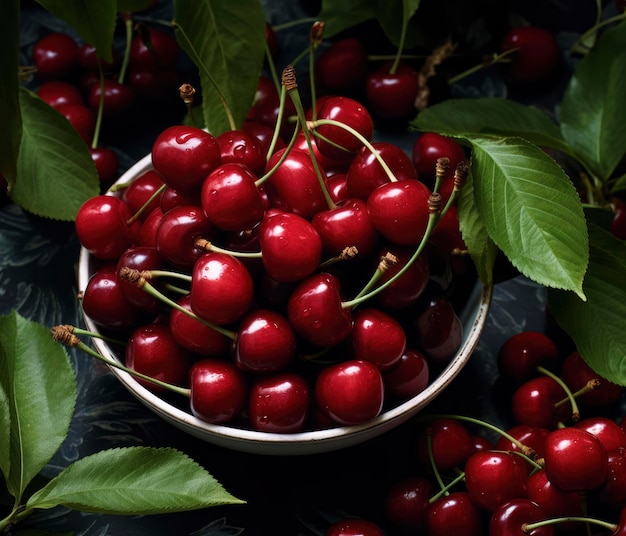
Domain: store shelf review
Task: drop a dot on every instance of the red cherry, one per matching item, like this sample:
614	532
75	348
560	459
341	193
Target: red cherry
107	165
350	392
534	402
611	434
147	235
614	489
55	55
266	107
451	444
152	351
154	85
537	55
454	514
532	437
140	258
407	501
264	133
221	288
430	147
141	190
575	460
439	329
354	527
377	337
408	377
153	49
238	146
58	92
88	59
117	98
171	198
509	518
392	95
219	390
405	290
521	354
342	67
279	403
82	119
184	156
553	501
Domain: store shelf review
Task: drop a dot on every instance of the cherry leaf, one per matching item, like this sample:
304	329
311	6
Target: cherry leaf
137	480
339	16
531	211
33	367
593	117
597	325
94	21
55	172
218	36
5	424
394	17
10	117
492	115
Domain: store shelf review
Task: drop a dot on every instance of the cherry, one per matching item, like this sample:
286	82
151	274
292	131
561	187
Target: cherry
55	55
88	59
153	49
82	119
377	337
230	198
263	133
279	403
350	392
492	478
553	501
316	313
184	156
171	198
291	246
328	166
614	489
219	390
533	403
151	350
536	56
141	190
147	235
153	85
439	329
221	288
391	95
265	107
342	67
521	354
117	98
611	434
407	501
406	289
354	527
337	188
265	342
103	226
408	377
510	517
430	147
140	258
451	443
107	165
532	437
241	147
455	513
575	459
399	211
58	92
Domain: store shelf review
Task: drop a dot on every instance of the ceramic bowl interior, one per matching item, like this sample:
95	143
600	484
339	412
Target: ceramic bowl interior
473	316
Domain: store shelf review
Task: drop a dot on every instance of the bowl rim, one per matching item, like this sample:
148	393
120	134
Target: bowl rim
305	442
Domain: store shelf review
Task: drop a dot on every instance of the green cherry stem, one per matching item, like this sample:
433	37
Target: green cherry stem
488	62
128	27
527	528
433	464
78	331
579	45
445	490
207	245
569	397
145	206
99	114
315	39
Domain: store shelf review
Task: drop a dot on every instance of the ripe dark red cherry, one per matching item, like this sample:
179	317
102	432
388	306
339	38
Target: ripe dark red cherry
350	392
354	527
107	165
408	377
88	59
406	502
55	55
153	49
439	329
139	192
454	514
532	437
553	501
117	98
58	92
405	290
451	443
81	118
533	403
342	67
537	55
238	146
392	95
611	434
184	156
377	337
430	147
521	354
509	518
140	258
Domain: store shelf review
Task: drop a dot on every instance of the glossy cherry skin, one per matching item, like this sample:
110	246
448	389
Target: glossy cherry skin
171	198
408	377
553	501
184	156
509	517
153	49
531	437
346	225
140	258
451	443
147	235
537	55
342	67
58	92
492	478
350	392
454	514
103	228
265	342
238	146
152	351
430	147
118	98
392	95
611	434
294	185
614	489
290	245
399	211
316	313
377	337
439	329
406	502
534	402
521	354
279	403
82	119
230	198
107	165
141	191
575	459
55	55
354	527
221	288
219	390
365	173
349	112
88	59
177	232
406	289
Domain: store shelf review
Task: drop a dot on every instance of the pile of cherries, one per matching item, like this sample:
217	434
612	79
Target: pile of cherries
559	468
290	286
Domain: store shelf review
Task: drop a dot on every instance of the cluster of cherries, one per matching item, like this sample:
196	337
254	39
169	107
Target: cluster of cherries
75	83
286	288
560	468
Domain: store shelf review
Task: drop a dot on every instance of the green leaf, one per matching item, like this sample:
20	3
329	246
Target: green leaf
10	118
597	325
56	173
479	245
133	480
593	115
492	115
130	6
94	21
219	36
5	424
39	382
531	211
339	16
394	16
619	185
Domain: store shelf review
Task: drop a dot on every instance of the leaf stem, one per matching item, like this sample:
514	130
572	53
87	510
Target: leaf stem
496	58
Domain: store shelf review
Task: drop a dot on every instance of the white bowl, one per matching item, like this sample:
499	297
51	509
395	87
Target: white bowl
473	317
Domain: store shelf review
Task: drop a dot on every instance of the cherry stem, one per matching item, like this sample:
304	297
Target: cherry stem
128	26
579	43
187	93
271	65
403	30
207	245
290	85
492	60
79	331
348	253
387	261
315	40
445	490
64	336
433	464
282	158
145	206
311	125
100	112
568	392
292	23
529	527
279	122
